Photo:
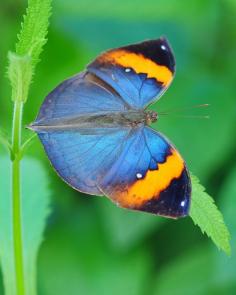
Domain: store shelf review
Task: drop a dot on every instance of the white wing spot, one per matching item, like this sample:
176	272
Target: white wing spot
139	175
127	70
163	47
182	203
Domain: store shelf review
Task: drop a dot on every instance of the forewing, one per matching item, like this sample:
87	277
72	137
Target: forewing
80	95
80	155
149	175
140	73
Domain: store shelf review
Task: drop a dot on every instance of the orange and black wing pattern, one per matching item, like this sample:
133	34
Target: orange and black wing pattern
150	175
132	164
140	73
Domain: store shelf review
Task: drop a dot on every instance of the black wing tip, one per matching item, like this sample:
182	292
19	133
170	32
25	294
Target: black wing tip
157	50
173	202
165	211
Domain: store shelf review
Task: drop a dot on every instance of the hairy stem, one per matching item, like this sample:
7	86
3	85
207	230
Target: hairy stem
16	199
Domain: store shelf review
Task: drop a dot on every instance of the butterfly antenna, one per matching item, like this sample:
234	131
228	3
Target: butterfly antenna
173	111
176	110
191	116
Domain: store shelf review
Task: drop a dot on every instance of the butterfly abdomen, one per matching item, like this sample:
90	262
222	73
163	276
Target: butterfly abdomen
131	118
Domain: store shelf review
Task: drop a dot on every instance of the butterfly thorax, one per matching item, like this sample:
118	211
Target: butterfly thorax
150	117
129	118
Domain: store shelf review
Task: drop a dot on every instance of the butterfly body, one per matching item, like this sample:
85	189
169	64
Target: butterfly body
130	118
95	130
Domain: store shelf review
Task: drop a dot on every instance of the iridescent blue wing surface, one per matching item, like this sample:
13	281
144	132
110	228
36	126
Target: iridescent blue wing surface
80	95
94	130
140	73
149	175
79	154
81	157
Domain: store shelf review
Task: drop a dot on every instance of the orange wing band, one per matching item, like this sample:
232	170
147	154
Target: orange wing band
139	64
154	182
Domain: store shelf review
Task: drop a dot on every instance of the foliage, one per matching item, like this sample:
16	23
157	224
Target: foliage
206	215
34	29
21	232
28	48
85	243
20	76
35	209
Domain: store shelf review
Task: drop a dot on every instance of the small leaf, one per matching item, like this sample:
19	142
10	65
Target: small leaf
27	144
20	76
206	215
35	209
28	48
4	140
34	29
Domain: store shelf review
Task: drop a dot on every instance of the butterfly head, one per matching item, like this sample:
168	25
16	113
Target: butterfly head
150	117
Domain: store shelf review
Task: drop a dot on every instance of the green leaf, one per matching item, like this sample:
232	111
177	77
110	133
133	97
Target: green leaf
34	29
35	209
206	215
5	141
29	141
28	48
20	75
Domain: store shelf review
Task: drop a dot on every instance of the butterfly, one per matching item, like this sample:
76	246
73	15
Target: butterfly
95	130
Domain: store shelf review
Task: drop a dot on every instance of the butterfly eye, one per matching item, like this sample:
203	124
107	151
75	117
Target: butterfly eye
139	175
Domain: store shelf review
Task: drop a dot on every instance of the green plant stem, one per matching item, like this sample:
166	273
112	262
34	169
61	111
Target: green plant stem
16	199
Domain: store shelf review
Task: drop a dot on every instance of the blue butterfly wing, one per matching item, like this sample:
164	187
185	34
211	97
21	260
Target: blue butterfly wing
134	166
81	157
149	175
140	73
80	95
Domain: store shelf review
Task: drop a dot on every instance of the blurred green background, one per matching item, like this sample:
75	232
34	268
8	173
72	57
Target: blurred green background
91	246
